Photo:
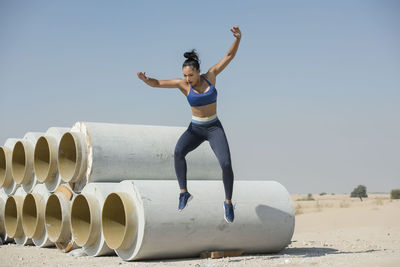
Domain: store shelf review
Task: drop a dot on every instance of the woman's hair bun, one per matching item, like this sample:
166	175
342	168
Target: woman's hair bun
192	55
192	60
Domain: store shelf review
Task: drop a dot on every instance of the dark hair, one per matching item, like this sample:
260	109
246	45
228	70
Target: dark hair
192	60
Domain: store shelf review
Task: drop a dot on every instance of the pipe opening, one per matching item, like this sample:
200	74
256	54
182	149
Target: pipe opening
18	164
3	166
81	220
11	216
114	221
67	156
42	159
30	216
53	217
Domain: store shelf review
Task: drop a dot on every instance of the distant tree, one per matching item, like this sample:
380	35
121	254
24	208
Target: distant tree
395	194
322	194
360	191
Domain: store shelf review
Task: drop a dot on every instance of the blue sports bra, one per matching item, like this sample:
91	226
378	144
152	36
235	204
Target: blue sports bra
202	99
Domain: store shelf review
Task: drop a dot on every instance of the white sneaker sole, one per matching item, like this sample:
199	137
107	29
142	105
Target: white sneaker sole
187	203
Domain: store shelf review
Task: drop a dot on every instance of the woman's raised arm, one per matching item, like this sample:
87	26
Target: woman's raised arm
220	66
174	83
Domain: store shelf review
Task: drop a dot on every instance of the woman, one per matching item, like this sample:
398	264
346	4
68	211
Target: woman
202	96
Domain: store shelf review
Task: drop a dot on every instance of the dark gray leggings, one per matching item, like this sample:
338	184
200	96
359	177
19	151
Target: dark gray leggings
192	138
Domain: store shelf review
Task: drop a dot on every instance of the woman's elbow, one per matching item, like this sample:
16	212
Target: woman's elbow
230	56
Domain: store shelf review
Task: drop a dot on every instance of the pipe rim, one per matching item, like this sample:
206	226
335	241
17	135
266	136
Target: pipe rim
53	217
119	221
113	220
82	221
19	162
42	159
3	166
2	228
11	217
30	215
69	157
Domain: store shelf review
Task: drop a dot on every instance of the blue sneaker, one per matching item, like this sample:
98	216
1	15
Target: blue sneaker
229	214
184	198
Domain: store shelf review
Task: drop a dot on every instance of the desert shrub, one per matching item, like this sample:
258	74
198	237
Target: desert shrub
307	198
322	194
360	191
395	194
344	204
318	206
379	201
298	210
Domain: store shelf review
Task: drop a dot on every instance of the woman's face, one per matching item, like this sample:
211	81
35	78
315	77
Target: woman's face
191	75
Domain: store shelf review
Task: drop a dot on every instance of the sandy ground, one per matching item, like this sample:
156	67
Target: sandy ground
332	230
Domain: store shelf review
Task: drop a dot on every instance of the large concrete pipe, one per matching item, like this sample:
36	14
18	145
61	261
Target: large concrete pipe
6	179
3	234
86	219
104	152
57	218
33	210
22	161
141	220
45	158
12	218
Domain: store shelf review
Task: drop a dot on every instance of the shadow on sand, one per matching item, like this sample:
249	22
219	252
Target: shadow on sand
302	253
295	252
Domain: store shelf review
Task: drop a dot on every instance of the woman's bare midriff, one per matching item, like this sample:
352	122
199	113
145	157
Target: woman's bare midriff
205	111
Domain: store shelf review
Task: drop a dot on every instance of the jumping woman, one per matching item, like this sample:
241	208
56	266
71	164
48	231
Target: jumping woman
202	96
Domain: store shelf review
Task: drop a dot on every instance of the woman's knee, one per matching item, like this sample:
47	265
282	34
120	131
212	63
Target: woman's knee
179	153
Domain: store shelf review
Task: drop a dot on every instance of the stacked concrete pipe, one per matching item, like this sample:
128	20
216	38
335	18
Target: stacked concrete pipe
45	158
104	152
13	218
141	221
86	219
137	218
33	211
22	161
6	180
58	218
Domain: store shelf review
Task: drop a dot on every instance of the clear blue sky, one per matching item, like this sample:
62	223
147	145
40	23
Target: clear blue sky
311	100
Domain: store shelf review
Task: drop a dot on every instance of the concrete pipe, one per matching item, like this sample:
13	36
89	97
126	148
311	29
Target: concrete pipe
33	210
6	179
86	219
45	158
3	233
141	220
103	152
57	218
22	161
12	218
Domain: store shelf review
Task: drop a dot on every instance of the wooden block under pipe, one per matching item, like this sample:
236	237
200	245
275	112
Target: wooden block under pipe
221	254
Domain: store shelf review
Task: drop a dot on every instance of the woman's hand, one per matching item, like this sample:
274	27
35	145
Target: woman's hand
142	76
236	32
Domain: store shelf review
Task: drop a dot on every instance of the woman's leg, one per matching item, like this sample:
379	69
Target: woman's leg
219	144
186	143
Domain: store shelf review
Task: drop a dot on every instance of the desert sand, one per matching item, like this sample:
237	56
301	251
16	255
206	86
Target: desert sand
332	230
